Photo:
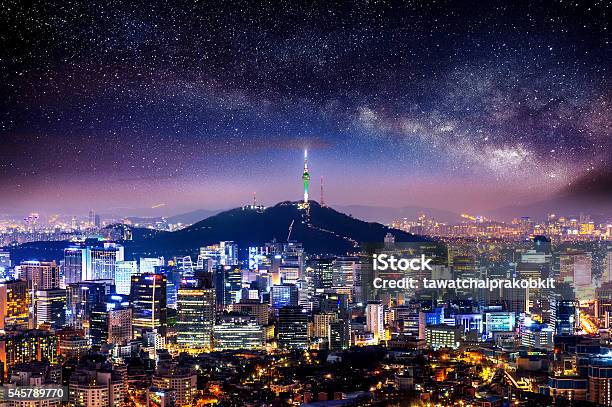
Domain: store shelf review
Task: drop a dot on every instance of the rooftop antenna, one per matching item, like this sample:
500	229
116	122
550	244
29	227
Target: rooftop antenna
322	199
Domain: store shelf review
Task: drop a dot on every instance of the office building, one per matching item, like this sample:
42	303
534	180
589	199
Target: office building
323	272
77	264
196	306
285	295
83	297
73	347
254	308
443	336
499	321
537	336
321	324
103	261
111	322
575	267
147	264
124	270
5	260
148	298
223	254
51	308
567	318
571	388
292	328
238	332
409	320
228	285
339	336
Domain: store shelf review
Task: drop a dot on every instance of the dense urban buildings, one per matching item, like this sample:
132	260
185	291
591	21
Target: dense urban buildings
135	331
313	204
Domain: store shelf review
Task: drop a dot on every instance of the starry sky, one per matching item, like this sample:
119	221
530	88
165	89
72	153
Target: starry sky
458	105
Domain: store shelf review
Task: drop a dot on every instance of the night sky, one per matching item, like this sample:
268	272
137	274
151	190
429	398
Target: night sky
448	104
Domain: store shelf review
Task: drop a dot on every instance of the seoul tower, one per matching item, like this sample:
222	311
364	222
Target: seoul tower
306	177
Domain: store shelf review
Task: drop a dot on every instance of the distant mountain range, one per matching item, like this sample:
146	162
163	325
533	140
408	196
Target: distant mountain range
193	216
325	231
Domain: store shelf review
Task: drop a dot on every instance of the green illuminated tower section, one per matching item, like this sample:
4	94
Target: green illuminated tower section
306	177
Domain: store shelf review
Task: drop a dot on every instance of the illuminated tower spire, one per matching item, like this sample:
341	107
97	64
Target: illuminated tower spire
306	177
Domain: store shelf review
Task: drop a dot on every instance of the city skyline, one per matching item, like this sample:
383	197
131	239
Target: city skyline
305	203
496	105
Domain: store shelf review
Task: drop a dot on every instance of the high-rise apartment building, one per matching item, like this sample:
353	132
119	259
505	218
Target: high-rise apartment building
40	275
375	320
14	304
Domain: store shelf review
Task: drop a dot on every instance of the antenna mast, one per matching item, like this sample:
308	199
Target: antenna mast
322	198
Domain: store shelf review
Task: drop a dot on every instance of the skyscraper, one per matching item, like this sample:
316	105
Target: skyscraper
345	269
148	297
195	312
111	321
14	303
291	266
103	261
339	335
284	295
40	275
253	308
228	283
124	270
375	320
575	267
321	324
83	297
120	323
292	328
225	253
77	262
174	277
607	273
323	273
51	307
